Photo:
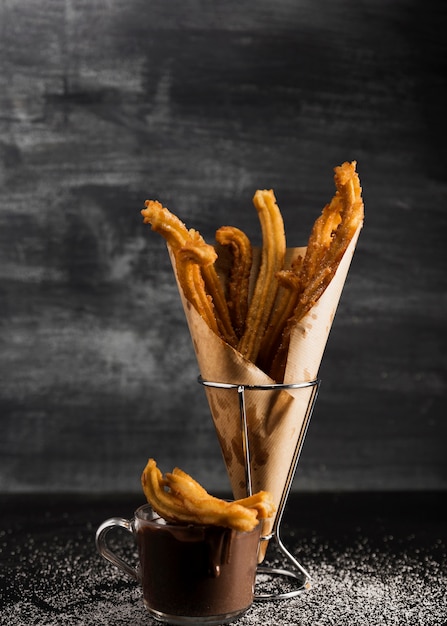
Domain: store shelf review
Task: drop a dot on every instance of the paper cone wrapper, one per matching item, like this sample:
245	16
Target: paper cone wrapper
275	418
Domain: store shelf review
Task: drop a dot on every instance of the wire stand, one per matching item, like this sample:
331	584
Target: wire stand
298	574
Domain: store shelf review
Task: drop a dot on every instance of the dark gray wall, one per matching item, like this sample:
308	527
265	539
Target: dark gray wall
198	104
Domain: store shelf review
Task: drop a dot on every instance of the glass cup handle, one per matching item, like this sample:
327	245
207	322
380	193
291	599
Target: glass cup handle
104	549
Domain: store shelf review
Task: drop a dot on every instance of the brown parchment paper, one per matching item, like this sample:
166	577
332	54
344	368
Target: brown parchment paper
275	418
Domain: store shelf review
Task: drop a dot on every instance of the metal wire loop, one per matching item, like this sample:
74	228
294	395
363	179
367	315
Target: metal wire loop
300	574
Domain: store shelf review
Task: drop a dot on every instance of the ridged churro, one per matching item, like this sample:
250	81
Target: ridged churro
238	283
272	260
330	236
178	498
195	267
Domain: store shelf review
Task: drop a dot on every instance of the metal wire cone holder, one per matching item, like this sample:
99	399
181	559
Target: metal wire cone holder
298	574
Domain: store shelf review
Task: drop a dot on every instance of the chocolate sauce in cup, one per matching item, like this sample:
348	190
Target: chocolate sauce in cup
190	574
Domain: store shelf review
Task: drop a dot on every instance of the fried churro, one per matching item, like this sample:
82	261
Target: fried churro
272	260
329	239
178	498
238	284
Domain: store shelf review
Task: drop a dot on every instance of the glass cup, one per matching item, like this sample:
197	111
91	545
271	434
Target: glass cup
189	574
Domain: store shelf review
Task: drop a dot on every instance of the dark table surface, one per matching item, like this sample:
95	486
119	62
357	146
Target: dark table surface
377	558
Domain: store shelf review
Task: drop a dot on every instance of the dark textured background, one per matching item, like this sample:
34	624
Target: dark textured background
104	104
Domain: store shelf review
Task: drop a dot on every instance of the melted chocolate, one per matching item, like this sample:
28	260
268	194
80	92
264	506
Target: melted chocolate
196	570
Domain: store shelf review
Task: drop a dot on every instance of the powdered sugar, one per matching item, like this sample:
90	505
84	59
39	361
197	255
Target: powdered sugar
57	580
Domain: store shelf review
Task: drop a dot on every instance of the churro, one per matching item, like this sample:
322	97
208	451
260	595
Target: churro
178	498
272	260
239	278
